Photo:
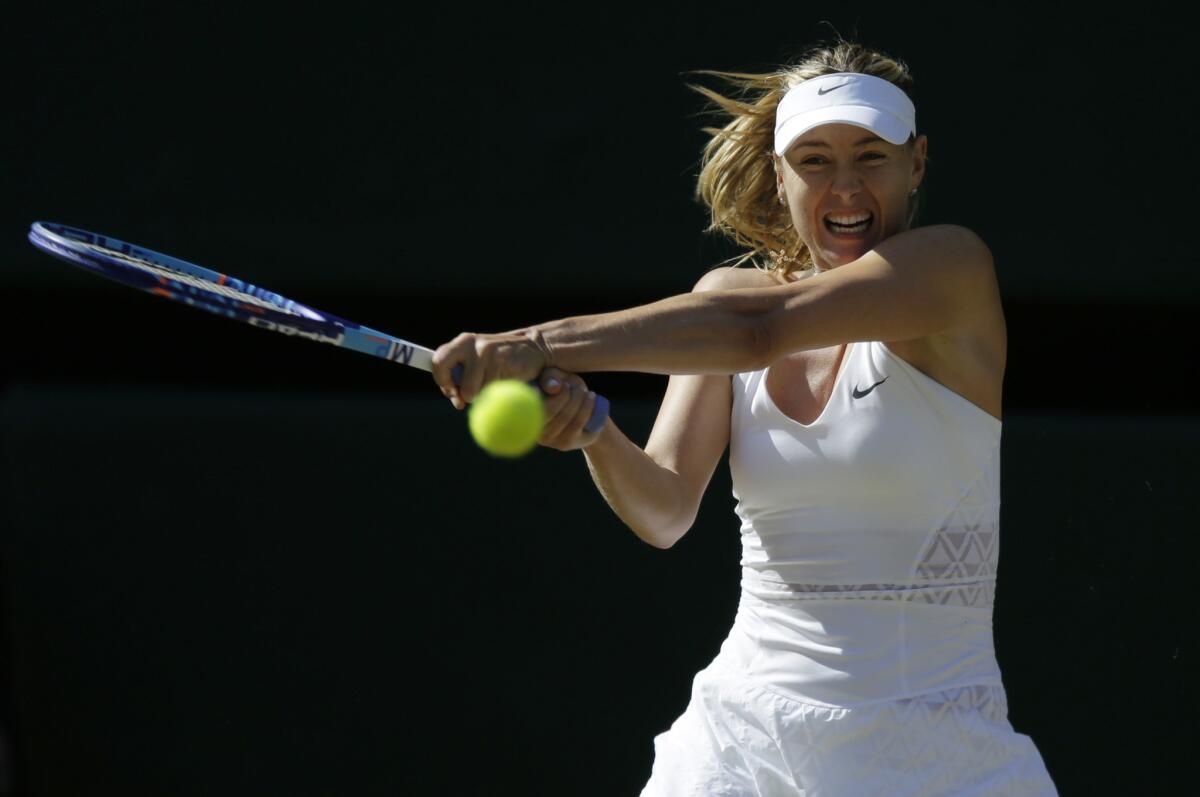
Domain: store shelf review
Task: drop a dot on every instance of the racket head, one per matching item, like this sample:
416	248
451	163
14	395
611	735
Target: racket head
222	294
171	277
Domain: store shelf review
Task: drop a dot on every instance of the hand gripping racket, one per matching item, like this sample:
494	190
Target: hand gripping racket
231	297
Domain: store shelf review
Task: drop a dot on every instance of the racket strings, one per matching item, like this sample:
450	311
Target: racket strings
164	272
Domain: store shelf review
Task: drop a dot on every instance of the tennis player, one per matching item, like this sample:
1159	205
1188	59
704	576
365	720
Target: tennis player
855	374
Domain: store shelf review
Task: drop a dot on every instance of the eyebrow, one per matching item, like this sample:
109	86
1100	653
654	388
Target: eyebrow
867	140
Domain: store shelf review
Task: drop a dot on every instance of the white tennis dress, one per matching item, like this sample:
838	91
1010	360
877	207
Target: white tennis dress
861	659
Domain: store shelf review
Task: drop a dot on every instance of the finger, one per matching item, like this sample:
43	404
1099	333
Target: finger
566	405
440	368
447	366
466	367
583	414
552	406
555	406
572	435
551	380
450	389
473	376
561	377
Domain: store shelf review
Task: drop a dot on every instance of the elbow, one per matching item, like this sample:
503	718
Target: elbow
665	542
675	536
672	533
661	537
671	514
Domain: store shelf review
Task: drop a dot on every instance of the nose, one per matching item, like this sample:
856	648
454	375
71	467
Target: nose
846	182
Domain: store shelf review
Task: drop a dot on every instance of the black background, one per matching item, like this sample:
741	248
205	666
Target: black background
239	564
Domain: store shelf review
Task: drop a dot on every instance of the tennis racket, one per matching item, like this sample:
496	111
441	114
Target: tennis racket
231	297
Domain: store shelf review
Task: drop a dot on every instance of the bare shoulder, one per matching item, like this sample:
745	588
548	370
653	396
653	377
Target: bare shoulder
968	262
728	278
953	264
962	247
966	235
970	359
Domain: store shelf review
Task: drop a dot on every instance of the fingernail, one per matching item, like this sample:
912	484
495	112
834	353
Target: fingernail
551	382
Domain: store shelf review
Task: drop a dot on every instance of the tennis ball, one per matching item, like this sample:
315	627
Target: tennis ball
506	418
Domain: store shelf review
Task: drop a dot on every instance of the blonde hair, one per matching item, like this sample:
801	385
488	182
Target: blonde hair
737	176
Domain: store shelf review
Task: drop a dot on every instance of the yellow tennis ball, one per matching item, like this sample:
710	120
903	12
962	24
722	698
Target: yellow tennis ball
506	418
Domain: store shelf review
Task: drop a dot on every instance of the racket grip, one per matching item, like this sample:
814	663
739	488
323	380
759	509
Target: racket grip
599	410
599	415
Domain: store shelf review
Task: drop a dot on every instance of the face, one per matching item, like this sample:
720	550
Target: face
849	172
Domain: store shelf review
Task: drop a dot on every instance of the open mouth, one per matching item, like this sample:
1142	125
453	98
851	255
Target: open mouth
849	224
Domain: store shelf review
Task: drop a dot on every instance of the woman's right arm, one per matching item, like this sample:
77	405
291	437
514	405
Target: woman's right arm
657	491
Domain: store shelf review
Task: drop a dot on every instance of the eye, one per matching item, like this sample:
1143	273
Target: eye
816	159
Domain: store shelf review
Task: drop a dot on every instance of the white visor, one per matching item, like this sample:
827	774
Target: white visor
849	98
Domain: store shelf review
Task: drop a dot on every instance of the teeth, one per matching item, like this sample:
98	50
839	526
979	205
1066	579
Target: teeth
845	225
848	220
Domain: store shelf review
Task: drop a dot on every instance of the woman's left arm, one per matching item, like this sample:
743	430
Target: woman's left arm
915	284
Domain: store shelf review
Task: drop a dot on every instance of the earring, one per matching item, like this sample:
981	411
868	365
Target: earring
782	201
912	192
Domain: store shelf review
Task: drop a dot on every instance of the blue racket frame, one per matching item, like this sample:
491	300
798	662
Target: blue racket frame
222	294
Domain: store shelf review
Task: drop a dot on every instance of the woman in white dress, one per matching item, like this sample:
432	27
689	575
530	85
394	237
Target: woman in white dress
855	376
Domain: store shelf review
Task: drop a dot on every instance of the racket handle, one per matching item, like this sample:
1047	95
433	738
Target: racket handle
599	411
599	415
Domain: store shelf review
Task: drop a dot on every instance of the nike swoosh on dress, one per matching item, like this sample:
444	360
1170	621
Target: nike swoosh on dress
860	393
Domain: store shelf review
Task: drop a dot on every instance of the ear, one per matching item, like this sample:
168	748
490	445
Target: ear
920	148
778	177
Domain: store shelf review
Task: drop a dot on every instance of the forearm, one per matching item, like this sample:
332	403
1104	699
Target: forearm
645	496
714	332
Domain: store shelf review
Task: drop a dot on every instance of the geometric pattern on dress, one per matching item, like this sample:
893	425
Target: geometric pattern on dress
978	593
938	729
967	546
988	699
962	550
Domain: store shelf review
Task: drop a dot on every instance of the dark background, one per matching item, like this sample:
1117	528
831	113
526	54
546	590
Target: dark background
238	564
